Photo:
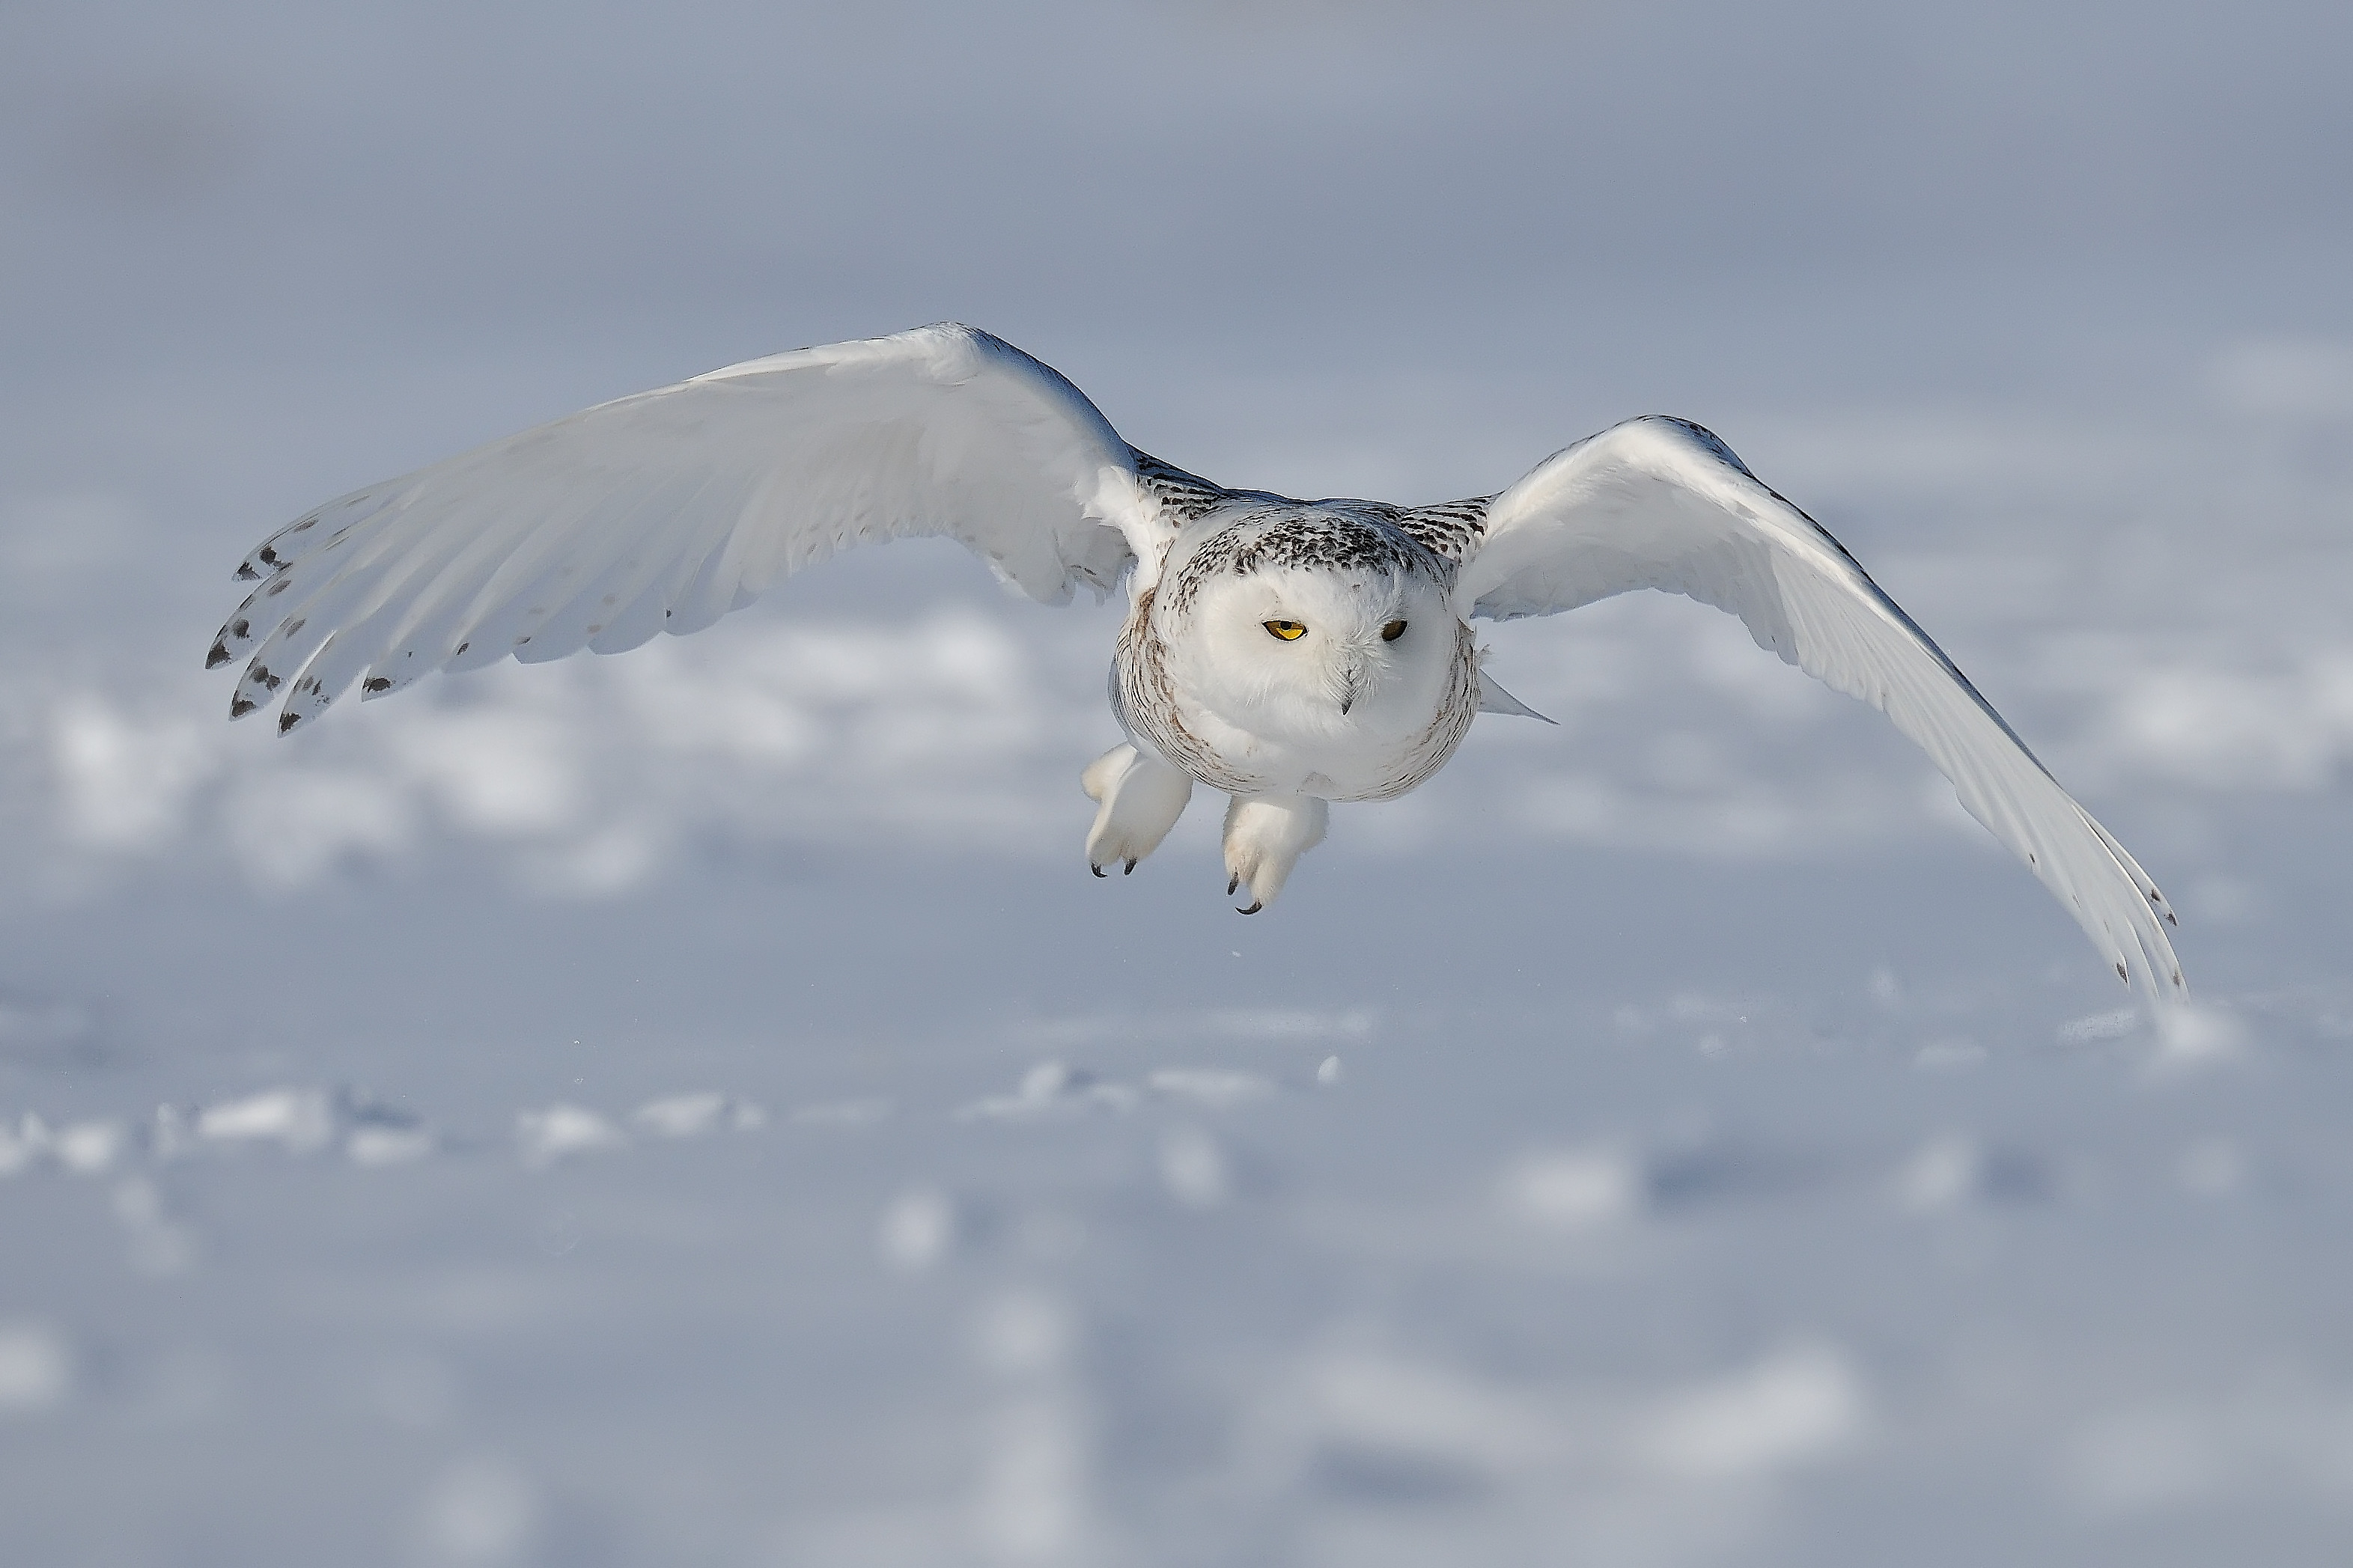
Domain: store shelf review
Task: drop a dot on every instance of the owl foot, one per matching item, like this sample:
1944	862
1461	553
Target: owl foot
1265	836
1140	798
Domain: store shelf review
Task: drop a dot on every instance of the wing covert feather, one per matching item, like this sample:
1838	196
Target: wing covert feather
665	509
1662	503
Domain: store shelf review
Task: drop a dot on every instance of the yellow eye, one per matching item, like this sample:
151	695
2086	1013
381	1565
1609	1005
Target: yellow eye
1393	631
1289	631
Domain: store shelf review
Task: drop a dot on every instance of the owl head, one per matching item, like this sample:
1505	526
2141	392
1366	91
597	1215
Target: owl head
1316	627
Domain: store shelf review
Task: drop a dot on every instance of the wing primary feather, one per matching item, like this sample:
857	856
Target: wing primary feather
306	532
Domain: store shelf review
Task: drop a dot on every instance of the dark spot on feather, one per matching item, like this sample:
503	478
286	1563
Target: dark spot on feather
667	614
261	673
301	525
2030	860
238	707
375	683
219	656
520	641
2120	973
464	645
287	722
266	555
239	626
245	572
280	587
296	625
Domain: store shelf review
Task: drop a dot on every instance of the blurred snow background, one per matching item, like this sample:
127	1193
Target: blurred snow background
694	1108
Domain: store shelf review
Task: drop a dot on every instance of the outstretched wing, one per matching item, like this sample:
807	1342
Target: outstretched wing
1662	503
665	510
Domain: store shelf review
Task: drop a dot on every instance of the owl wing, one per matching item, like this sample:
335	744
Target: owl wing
1662	503
665	510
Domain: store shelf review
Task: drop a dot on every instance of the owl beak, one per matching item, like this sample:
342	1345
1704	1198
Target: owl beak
1352	684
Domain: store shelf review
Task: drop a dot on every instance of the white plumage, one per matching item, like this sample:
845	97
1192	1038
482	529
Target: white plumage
1288	653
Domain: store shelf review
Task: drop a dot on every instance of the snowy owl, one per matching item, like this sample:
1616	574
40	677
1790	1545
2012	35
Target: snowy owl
1288	653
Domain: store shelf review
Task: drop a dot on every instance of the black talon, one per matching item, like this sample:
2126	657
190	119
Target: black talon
1129	869
1252	910
1097	869
1232	883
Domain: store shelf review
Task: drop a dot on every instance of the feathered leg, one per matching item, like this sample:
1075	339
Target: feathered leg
1141	798
1265	836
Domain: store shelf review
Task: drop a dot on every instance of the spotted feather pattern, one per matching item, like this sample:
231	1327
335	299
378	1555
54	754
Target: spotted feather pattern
1181	497
1450	528
1332	535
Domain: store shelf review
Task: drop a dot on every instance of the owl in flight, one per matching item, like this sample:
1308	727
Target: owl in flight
1288	653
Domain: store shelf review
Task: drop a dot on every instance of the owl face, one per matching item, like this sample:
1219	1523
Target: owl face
1308	652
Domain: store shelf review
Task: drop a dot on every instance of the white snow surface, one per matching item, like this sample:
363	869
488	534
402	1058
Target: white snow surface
694	1108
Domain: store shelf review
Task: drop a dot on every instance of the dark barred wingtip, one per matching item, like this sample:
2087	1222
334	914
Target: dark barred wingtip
219	656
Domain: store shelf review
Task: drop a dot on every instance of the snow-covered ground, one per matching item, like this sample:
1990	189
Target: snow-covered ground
695	1108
